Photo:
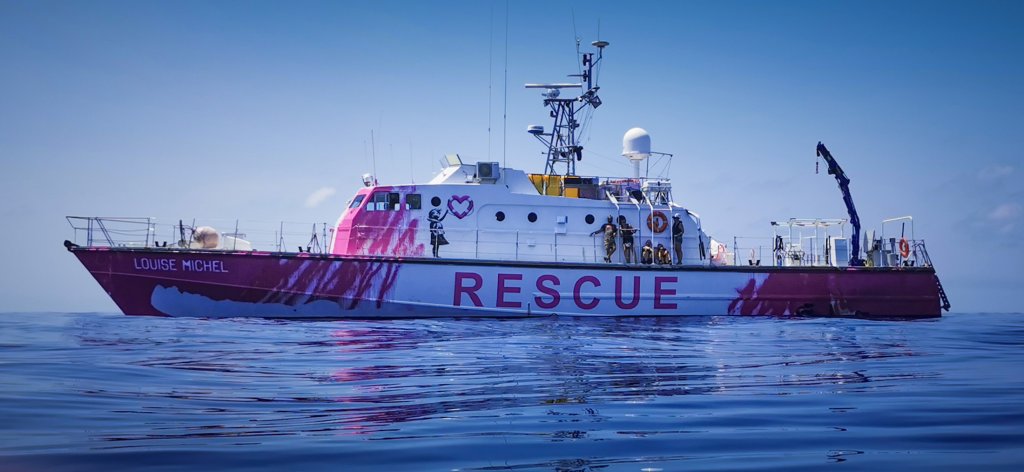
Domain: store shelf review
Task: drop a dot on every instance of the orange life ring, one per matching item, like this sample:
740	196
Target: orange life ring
657	222
904	248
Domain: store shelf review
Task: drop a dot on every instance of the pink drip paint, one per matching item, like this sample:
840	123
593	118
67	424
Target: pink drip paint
374	233
303	280
798	294
358	232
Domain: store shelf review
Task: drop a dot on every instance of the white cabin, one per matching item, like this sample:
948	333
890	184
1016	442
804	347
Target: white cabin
505	216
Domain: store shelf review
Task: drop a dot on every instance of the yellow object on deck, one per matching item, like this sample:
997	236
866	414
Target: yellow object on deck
570	186
554	185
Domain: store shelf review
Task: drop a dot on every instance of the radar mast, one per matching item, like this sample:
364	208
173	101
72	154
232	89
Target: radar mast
563	140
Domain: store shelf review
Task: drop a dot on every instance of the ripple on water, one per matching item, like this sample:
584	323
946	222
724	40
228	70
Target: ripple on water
88	391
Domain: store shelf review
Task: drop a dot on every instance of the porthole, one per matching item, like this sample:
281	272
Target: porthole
532	217
590	219
500	216
436	201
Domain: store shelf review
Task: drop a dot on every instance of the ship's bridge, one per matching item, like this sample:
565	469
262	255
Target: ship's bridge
643	190
619	189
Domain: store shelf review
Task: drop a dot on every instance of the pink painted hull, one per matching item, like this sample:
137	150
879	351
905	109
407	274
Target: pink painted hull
168	282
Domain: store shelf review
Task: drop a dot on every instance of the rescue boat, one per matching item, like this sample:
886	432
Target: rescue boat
481	239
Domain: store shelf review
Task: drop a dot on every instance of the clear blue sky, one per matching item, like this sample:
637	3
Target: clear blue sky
244	109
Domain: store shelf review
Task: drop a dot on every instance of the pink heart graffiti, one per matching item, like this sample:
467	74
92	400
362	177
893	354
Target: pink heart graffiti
464	204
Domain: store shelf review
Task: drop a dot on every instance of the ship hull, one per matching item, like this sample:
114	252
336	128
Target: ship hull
168	282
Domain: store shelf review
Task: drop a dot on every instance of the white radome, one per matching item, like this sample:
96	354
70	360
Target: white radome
636	144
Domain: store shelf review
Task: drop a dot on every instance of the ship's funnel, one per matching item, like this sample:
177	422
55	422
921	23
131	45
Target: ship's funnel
636	146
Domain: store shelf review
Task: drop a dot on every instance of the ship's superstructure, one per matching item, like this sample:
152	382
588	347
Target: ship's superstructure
485	211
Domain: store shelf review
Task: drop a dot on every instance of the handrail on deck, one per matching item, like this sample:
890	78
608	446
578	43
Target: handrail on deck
899	218
119	226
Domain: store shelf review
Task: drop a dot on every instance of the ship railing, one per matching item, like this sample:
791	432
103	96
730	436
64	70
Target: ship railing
295	237
508	245
257	235
626	189
888	253
810	252
485	244
113	231
235	235
762	251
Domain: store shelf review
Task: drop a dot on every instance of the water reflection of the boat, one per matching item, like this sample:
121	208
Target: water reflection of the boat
570	370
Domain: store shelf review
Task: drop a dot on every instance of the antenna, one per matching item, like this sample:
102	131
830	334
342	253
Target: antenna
576	37
373	157
412	178
504	117
490	81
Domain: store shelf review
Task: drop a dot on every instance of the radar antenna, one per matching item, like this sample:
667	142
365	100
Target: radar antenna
563	142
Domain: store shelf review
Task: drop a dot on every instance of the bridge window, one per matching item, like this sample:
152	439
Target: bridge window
384	201
413	201
357	201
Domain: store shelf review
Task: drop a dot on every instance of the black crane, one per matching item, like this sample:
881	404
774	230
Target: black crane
844	186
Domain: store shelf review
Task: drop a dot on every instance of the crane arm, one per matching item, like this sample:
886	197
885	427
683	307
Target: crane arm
844	187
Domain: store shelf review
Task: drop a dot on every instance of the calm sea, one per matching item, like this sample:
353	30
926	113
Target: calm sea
83	392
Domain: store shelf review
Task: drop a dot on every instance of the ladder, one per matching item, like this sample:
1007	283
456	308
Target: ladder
920	248
942	294
618	211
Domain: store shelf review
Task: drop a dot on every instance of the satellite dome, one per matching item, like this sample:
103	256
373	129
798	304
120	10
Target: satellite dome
636	144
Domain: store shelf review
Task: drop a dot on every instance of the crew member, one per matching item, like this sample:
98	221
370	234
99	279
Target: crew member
677	237
609	231
627	232
647	253
661	255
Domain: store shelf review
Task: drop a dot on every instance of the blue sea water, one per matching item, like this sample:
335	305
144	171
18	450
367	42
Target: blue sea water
84	392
